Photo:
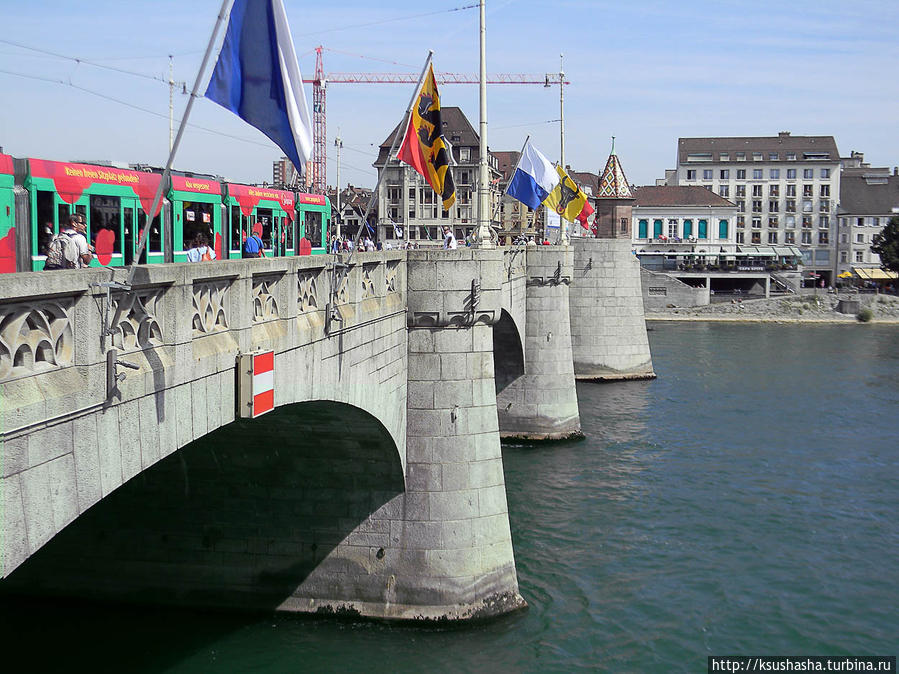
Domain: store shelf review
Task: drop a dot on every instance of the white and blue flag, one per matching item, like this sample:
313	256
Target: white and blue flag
258	78
534	178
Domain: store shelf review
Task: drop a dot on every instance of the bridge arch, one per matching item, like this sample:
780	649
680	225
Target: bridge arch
508	351
242	516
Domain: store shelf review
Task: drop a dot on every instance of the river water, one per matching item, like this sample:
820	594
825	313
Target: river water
745	502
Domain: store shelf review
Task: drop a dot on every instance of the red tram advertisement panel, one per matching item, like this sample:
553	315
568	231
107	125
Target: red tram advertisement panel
113	201
7	216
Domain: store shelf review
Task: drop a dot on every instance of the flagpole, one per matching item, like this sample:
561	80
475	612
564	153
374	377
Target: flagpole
223	12
400	129
512	175
483	239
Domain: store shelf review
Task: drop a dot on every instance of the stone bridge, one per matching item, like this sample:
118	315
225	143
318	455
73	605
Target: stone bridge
375	487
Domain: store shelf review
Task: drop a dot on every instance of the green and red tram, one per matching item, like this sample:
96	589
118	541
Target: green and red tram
7	216
37	197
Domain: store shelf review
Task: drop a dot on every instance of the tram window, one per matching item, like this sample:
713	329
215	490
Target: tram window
197	219
106	214
314	228
236	237
264	216
154	238
289	225
45	224
63	212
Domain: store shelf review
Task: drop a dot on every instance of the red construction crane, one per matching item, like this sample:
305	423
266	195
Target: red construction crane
319	113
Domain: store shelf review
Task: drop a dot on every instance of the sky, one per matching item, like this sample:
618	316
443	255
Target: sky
88	80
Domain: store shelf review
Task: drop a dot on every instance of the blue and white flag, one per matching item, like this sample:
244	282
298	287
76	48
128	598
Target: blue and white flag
534	178
258	78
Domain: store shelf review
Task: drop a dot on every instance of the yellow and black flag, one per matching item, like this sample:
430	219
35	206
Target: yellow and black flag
424	148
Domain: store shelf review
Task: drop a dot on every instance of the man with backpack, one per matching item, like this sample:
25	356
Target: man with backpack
69	249
253	246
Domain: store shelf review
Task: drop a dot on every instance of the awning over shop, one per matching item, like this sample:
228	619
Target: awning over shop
756	251
787	251
875	274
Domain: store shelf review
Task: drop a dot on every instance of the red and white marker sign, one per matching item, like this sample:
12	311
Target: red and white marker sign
257	394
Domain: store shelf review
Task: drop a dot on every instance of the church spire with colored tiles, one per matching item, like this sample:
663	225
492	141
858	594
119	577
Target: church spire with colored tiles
613	183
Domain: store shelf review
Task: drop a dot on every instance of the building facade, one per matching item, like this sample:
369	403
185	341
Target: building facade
785	189
409	211
869	197
676	226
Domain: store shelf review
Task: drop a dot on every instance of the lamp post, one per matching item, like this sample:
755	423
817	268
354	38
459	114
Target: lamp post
564	237
338	143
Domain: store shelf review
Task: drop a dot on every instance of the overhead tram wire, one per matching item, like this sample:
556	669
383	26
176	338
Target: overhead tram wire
85	61
133	106
391	20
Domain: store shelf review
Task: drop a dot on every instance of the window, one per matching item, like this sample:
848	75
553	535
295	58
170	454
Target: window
688	228
707	174
773	206
789	237
740	190
724	191
824	205
859	238
691	174
741	156
808	190
791	156
724	174
412	194
741	221
740	237
806	206
756	223
723	156
757	156
791	174
791	206
823	237
672	228
756	190
859	256
722	229
757	206
774	174
756	174
791	190
772	156
741	206
824	190
773	190
772	237
844	238
703	229
875	222
741	174
807	238
790	222
657	229
642	228
808	174
773	222
394	195
806	222
844	257
464	154
622	224
842	222
825	173
860	222
756	237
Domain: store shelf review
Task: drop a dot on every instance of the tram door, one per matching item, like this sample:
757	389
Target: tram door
276	237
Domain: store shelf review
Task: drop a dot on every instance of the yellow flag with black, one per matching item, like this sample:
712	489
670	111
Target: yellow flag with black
424	148
568	200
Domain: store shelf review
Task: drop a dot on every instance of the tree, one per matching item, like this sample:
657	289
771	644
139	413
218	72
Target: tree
886	244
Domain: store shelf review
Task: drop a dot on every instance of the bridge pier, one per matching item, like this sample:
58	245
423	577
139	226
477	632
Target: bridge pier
608	325
541	404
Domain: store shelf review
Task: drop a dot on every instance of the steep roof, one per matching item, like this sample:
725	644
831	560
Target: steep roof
680	195
781	144
456	128
586	179
872	195
506	161
613	183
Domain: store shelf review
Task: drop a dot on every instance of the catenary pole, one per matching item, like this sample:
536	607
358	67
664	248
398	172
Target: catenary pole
483	240
223	12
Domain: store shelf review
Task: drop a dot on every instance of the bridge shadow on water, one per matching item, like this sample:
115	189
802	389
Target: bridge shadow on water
242	518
